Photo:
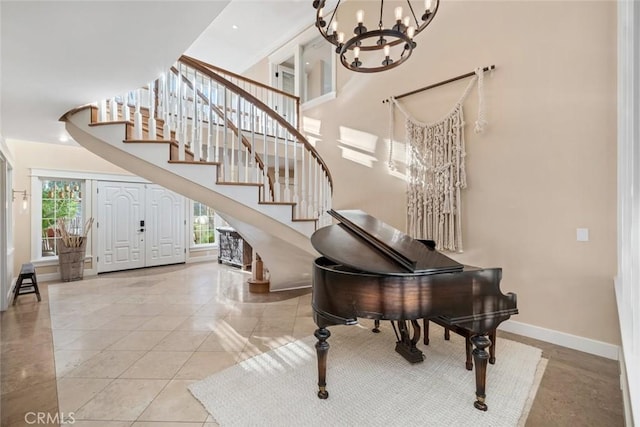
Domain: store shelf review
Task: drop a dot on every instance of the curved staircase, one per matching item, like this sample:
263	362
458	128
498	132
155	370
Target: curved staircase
215	137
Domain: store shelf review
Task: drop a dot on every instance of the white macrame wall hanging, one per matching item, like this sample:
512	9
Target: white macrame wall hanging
436	171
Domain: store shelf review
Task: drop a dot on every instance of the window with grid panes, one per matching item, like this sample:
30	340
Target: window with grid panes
61	200
203	225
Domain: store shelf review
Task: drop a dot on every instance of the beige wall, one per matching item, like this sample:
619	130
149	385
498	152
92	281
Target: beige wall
35	155
545	165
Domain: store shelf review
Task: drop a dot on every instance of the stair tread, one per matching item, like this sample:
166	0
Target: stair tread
303	219
115	122
159	141
278	203
255	184
194	162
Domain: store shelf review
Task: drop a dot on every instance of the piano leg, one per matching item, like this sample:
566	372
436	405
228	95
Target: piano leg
376	326
480	358
322	348
492	349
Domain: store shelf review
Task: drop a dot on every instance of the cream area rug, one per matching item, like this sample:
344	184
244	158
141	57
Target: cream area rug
370	384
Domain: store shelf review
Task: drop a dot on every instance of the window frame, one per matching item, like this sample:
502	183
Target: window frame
37	177
294	48
201	246
56	199
86	187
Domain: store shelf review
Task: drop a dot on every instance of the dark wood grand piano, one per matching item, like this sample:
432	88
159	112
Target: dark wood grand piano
372	270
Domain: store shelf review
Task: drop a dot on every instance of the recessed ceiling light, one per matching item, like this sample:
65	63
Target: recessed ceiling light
234	26
63	138
306	63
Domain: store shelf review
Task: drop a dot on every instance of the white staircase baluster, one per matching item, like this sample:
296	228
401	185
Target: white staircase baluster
309	213
315	189
217	118
253	163
296	177
179	116
125	107
287	191
195	125
113	109
265	158
276	164
184	119
166	108
152	110
209	110
239	147
232	149
102	108
137	115
302	209
225	117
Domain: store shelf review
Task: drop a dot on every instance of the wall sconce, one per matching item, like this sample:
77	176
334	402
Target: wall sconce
25	200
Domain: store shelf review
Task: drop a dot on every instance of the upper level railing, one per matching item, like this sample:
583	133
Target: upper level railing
287	105
212	119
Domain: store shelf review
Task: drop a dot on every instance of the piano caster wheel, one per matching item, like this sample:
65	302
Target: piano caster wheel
492	360
323	394
480	405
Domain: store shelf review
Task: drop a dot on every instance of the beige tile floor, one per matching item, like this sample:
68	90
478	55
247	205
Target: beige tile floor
126	346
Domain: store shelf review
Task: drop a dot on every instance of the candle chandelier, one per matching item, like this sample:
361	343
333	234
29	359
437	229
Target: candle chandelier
359	51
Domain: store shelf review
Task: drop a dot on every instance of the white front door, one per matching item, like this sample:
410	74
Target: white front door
164	227
139	225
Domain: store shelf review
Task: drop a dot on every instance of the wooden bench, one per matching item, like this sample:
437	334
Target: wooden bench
466	333
27	272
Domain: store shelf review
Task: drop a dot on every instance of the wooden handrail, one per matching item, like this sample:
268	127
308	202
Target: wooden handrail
294	98
239	91
234	128
239	77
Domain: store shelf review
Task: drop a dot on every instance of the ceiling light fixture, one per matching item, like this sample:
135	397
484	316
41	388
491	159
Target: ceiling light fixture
395	41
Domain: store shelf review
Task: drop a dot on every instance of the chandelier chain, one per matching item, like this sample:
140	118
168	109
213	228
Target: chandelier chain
415	18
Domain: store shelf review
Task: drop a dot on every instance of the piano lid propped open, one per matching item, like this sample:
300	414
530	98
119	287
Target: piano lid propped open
365	243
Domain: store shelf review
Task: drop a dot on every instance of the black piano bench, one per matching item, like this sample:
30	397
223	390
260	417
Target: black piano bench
466	333
27	272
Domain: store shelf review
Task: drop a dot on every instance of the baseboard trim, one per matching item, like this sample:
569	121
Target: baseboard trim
12	286
626	393
588	345
207	258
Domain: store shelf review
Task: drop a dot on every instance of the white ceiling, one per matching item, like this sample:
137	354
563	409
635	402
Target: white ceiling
57	55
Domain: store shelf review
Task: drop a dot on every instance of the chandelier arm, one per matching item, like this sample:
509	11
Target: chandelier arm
351	43
427	18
